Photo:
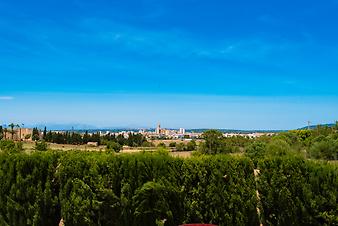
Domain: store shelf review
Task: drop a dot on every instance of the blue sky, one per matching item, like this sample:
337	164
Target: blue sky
188	63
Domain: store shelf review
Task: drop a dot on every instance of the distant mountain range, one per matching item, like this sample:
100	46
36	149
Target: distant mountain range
85	127
91	129
236	131
64	126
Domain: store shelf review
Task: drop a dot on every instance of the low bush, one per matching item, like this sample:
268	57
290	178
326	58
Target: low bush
41	146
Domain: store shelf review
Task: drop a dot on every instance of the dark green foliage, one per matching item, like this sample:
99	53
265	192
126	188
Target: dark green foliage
216	143
325	149
148	188
147	144
71	138
191	146
113	146
28	190
78	203
7	145
133	139
172	144
44	133
1	133
143	189
256	150
298	192
180	147
35	134
213	142
41	146
86	138
221	191
161	145
10	147
19	147
157	202
278	147
319	143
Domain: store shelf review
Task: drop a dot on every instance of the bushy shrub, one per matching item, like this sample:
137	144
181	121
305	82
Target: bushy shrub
162	151
9	146
180	147
29	190
161	145
255	151
41	146
278	147
325	149
191	146
172	144
113	146
296	192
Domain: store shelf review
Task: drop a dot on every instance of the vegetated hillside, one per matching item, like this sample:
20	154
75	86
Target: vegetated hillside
320	143
330	125
155	189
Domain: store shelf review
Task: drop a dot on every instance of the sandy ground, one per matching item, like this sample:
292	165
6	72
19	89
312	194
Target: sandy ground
182	154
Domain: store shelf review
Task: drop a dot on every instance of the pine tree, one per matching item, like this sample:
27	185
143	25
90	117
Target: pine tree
36	134
86	137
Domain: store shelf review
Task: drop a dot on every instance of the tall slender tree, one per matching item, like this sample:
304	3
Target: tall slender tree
18	126
36	134
86	137
5	133
12	131
1	133
44	133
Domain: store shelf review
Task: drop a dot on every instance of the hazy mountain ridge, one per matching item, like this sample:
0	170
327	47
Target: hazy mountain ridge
86	127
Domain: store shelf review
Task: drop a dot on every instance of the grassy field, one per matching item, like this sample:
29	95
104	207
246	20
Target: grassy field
167	142
29	147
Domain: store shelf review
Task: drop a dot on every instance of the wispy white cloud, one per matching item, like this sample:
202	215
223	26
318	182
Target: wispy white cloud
98	37
177	43
6	98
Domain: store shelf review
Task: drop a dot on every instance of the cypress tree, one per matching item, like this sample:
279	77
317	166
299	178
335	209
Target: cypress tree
44	133
1	133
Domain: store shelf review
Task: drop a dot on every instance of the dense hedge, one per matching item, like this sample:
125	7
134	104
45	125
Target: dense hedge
29	190
295	191
151	189
142	189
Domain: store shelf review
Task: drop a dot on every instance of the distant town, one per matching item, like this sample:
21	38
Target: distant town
17	132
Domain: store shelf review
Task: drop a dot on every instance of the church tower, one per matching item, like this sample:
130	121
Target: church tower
158	129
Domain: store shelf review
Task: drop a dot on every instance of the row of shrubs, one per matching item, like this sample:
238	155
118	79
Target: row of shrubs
156	189
10	147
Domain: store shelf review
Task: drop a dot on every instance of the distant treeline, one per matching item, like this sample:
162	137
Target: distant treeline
70	137
132	140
